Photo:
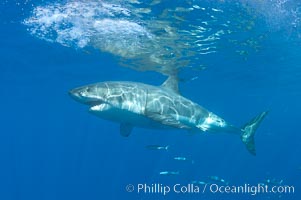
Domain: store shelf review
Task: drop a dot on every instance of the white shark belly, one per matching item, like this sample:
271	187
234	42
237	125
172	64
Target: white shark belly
119	115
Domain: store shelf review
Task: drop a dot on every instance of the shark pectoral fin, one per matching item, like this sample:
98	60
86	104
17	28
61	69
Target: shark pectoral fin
167	120
126	129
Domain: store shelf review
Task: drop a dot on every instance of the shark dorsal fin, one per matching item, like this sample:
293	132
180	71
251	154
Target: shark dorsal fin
171	83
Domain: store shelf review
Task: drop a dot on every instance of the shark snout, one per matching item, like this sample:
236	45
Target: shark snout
85	95
76	94
73	93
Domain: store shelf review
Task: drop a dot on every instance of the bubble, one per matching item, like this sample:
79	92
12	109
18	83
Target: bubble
141	39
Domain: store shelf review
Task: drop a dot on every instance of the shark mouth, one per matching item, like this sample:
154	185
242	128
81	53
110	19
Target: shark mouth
99	107
95	103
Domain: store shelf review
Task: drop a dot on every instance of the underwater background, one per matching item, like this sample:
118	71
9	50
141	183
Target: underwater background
235	58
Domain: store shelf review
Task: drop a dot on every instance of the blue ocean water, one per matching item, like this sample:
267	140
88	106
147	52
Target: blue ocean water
52	148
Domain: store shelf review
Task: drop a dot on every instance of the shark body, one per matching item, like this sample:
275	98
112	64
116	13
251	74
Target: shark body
135	104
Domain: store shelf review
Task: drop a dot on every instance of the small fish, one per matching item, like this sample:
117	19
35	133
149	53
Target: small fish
169	173
157	147
273	181
214	178
199	182
194	78
216	10
180	158
218	179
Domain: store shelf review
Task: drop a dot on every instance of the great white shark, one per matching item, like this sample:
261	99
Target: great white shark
134	104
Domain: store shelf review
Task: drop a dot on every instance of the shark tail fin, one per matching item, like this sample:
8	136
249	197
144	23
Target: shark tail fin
248	132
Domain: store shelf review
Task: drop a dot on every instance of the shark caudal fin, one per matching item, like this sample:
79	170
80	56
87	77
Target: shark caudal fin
248	132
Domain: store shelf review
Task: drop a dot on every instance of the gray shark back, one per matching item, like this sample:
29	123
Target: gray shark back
172	109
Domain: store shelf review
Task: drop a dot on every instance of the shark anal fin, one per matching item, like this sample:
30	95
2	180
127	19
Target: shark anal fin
126	129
